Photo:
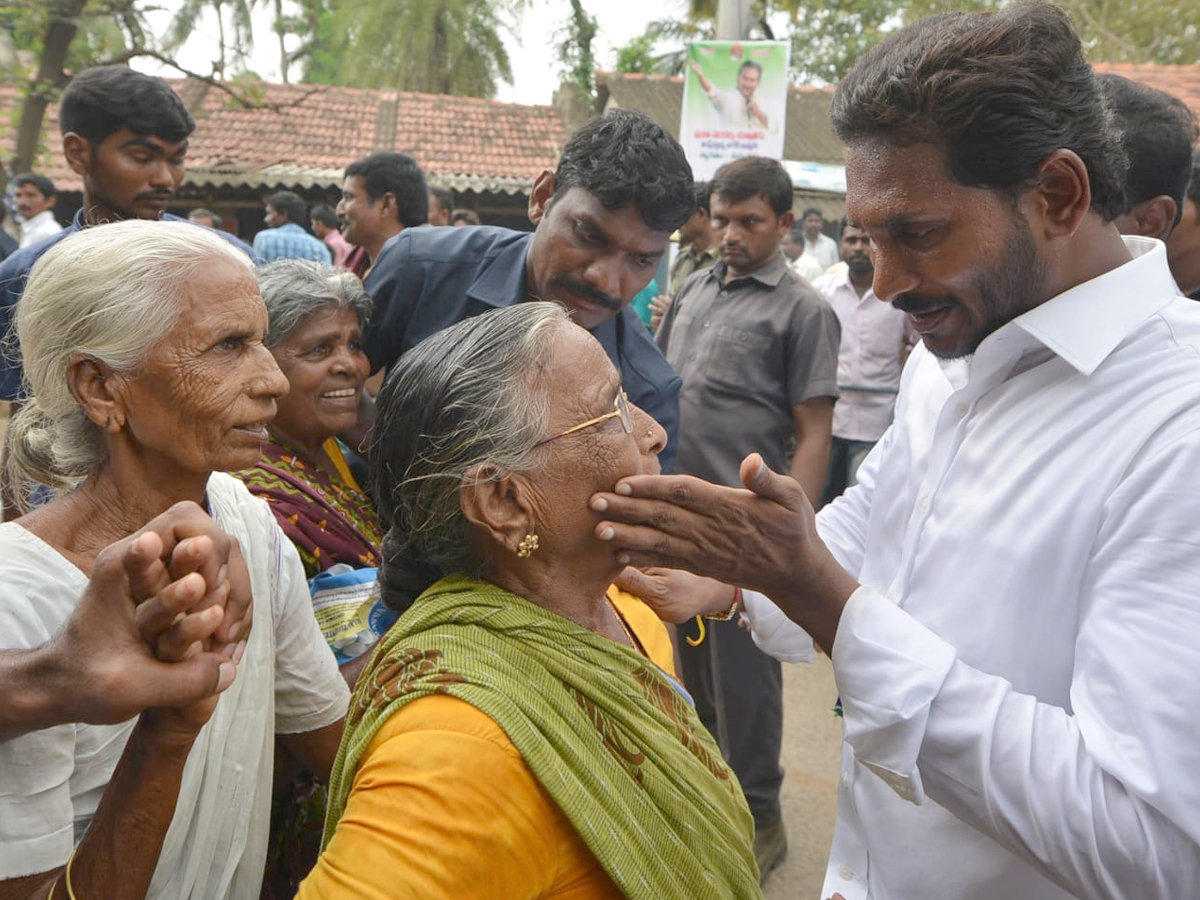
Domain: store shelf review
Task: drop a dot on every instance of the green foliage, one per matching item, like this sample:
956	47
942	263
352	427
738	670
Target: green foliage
432	46
575	52
830	36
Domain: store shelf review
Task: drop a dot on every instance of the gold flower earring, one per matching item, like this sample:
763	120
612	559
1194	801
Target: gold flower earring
528	544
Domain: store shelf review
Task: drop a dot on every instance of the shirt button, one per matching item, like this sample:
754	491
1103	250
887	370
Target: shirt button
706	324
845	781
846	872
924	505
961	409
692	358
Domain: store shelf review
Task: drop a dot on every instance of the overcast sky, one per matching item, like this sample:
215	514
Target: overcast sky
532	52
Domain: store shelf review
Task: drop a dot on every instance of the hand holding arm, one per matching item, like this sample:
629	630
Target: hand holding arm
676	595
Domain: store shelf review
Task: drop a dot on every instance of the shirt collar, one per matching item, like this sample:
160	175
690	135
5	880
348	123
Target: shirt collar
502	283
1084	324
770	274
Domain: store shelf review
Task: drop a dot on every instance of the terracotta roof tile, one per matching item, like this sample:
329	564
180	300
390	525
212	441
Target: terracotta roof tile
304	135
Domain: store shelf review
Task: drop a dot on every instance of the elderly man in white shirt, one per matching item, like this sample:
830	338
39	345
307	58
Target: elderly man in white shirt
1009	594
34	199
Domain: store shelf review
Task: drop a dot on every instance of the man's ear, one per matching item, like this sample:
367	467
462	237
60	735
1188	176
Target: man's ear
98	391
786	221
541	195
1152	218
498	504
78	152
1062	193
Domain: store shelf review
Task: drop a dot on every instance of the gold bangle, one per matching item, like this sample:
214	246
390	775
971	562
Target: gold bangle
53	888
715	617
67	879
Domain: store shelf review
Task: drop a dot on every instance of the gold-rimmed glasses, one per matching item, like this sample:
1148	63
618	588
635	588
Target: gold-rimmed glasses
620	411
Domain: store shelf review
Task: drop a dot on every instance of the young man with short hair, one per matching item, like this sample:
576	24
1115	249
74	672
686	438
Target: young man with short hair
285	237
382	195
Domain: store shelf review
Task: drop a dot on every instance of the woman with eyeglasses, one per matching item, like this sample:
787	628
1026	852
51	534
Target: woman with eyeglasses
519	732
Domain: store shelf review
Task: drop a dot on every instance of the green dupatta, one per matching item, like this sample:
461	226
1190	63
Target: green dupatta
612	741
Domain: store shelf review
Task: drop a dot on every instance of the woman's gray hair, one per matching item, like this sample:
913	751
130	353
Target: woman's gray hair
469	396
108	293
294	289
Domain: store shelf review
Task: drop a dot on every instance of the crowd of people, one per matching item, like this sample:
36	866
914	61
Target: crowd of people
513	625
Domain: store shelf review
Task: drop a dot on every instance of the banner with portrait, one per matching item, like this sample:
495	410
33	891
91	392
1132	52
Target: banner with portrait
734	102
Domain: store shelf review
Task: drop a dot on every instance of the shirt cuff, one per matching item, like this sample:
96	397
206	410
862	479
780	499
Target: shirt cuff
775	634
888	668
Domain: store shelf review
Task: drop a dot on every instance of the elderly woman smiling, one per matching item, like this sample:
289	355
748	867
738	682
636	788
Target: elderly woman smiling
317	318
142	344
516	734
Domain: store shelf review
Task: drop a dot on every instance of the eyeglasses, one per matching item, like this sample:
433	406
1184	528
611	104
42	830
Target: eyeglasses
620	411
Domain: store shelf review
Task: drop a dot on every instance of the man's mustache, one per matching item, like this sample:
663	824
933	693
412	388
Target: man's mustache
582	289
914	304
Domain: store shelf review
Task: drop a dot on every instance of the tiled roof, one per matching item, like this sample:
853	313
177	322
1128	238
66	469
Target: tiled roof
808	135
1178	81
300	135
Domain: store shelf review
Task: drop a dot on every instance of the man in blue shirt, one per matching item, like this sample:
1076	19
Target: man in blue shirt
285	237
126	135
603	220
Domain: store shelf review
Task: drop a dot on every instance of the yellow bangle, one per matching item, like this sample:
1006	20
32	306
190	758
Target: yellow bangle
715	617
70	862
53	887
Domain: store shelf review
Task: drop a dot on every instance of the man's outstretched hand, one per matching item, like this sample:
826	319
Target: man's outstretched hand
763	537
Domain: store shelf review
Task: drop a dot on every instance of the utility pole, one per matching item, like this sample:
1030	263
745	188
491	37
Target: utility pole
733	20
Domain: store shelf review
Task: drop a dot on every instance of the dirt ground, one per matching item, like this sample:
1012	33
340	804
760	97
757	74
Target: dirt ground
812	738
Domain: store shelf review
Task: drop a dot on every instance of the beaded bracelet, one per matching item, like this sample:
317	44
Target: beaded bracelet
716	617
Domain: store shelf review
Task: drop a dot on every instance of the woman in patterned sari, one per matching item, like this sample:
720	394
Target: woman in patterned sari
317	319
517	733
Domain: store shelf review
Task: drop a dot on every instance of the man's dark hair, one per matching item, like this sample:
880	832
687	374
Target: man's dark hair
398	174
750	64
700	193
797	231
625	158
101	101
44	185
754	176
812	211
464	215
323	213
291	205
1001	91
444	197
1157	132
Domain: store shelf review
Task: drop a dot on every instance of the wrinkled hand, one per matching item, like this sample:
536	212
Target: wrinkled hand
143	633
658	310
674	594
763	538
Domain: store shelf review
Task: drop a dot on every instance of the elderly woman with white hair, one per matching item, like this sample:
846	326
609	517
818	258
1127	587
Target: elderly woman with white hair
142	344
317	318
518	733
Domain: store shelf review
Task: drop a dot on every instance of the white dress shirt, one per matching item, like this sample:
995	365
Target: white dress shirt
874	335
824	250
39	227
1019	671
